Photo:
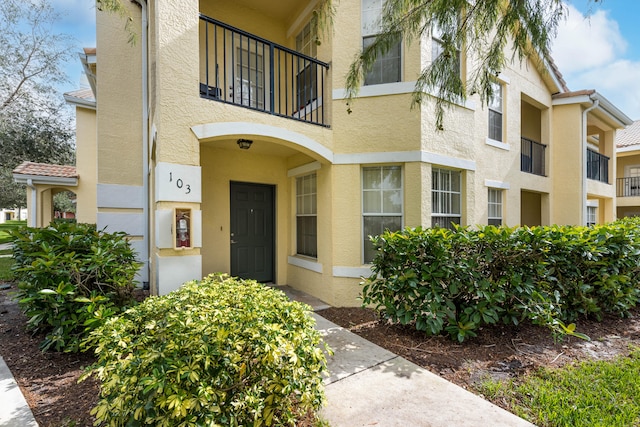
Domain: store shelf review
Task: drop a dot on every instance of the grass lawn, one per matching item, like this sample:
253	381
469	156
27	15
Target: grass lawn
594	393
5	269
9	225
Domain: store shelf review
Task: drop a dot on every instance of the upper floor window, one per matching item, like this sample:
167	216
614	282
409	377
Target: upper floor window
446	198
495	206
387	67
495	112
306	71
306	216
381	204
437	47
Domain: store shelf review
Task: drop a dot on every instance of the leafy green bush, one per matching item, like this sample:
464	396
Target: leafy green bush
220	351
456	281
71	277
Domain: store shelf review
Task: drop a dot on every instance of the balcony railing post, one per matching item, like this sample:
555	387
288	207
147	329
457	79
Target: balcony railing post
272	104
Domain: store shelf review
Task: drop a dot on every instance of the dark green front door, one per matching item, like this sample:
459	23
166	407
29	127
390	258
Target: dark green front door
252	231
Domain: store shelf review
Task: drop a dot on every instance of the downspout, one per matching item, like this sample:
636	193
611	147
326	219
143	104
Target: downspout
34	203
596	102
145	135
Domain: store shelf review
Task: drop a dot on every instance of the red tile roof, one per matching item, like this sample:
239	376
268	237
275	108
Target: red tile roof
44	169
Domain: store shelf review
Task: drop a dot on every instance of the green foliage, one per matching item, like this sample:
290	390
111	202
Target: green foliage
71	278
220	351
594	393
456	281
6	275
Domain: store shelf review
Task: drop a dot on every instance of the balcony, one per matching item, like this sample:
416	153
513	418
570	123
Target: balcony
532	155
628	187
597	166
246	70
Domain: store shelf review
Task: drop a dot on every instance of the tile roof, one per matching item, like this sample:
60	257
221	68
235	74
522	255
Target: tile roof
85	94
574	93
44	169
629	136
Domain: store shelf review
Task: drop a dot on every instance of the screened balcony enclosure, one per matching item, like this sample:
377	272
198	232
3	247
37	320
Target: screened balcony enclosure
243	69
532	157
597	166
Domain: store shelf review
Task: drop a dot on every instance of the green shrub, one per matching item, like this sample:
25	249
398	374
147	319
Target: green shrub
220	351
456	281
71	277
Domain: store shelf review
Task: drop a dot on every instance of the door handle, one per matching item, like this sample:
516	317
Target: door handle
233	241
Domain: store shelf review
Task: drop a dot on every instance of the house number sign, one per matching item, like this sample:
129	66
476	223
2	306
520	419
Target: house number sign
178	183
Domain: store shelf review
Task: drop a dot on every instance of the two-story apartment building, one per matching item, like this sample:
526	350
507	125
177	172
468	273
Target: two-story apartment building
221	141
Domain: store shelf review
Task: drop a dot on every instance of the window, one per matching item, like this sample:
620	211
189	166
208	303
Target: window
591	215
306	216
495	113
249	87
438	44
307	75
495	207
386	68
381	204
446	198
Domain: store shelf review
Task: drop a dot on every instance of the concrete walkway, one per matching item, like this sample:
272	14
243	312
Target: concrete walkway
367	386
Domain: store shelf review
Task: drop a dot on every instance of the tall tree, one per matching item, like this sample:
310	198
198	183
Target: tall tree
33	124
31	52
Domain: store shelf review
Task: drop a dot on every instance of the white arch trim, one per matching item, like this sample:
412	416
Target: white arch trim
213	130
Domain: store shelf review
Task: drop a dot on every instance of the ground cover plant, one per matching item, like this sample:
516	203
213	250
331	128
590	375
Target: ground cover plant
221	351
440	280
71	278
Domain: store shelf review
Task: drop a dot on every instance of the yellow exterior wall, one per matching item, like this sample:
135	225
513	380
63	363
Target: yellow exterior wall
86	165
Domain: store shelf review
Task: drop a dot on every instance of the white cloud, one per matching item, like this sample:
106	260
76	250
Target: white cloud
590	53
586	42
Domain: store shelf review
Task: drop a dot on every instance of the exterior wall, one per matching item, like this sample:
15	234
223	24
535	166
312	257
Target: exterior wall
567	159
86	161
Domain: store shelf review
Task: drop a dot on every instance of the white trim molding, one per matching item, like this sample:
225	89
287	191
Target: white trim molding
353	272
496	184
240	129
307	264
120	196
497	144
404	157
130	223
304	169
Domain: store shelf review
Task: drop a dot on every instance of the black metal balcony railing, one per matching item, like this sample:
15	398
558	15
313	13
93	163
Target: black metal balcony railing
243	69
628	187
597	166
532	157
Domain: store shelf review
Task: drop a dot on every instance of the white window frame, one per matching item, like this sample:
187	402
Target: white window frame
498	205
592	215
436	41
495	106
309	203
439	210
380	212
371	29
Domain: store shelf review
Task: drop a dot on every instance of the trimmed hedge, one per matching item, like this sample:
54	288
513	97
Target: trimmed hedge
71	277
216	352
456	281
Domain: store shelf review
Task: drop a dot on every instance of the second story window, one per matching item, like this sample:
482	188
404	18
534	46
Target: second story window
591	215
307	74
387	68
495	113
438	47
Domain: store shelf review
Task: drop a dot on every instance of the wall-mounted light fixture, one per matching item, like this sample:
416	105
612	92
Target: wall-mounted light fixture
244	143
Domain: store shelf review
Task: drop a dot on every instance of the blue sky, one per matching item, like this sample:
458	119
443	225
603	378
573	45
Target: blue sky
598	47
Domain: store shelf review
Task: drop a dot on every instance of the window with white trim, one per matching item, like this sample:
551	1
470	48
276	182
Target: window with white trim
437	47
387	67
592	215
307	74
495	206
381	204
307	216
446	198
495	112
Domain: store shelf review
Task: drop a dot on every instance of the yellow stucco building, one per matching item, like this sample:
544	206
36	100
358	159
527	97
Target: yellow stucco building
221	141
